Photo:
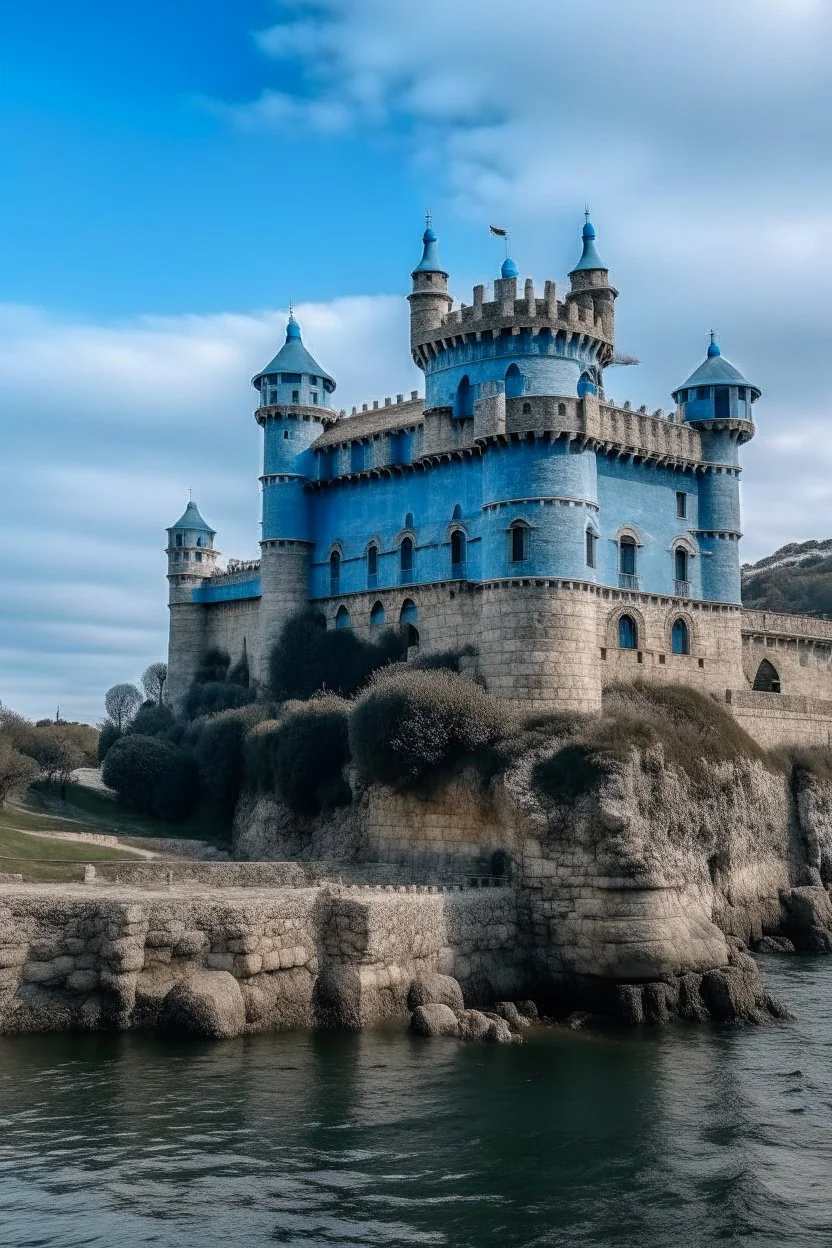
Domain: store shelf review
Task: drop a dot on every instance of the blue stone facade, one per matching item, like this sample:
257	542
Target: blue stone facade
515	471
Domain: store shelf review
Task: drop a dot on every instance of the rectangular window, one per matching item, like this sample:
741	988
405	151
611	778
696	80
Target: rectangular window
519	543
313	381
681	505
702	392
741	393
314	397
591	542
296	396
722	403
198	557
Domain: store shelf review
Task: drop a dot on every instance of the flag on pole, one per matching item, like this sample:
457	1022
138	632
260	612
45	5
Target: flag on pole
496	229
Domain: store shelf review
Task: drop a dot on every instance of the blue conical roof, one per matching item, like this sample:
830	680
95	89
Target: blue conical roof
191	519
294	358
589	256
715	370
430	262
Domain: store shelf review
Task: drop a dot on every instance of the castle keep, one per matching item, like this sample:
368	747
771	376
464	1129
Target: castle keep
571	542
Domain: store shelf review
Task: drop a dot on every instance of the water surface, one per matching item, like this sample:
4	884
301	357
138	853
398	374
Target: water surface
685	1136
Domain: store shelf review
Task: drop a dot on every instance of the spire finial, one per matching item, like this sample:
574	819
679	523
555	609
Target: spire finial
713	349
586	212
428	219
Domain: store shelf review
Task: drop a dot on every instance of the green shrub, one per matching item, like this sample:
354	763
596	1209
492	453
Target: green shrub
209	697
569	773
152	776
409	724
218	748
107	737
442	660
312	751
308	658
151	720
260	755
213	667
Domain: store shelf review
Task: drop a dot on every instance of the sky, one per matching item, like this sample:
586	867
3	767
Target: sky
174	172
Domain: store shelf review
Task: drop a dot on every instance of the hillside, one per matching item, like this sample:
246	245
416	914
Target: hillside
797	577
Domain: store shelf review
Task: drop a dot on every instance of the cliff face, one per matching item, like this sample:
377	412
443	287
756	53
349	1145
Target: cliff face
651	878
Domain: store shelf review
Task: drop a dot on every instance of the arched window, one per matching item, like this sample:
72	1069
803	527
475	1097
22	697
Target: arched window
464	398
406	560
767	679
372	565
458	553
514	382
334	572
591	549
627	633
377	615
680	638
680	570
518	541
200	541
627	578
342	618
408	619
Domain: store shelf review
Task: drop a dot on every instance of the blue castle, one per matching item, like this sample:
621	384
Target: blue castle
571	542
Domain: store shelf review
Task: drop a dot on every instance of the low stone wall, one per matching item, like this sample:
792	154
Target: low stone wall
75	957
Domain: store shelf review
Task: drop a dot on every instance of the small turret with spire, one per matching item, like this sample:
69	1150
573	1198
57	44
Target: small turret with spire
190	552
429	299
590	280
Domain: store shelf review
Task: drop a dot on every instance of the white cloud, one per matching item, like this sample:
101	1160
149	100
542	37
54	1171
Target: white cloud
105	427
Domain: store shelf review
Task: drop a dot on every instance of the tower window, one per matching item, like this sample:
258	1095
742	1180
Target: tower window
741	393
198	556
627	556
627	633
458	553
286	434
313	381
406	560
680	565
296	396
680	638
519	534
722	403
334	572
702	392
179	539
683	395
372	566
591	548
314	397
681	504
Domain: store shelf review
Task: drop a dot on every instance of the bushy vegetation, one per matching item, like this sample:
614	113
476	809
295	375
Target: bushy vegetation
301	755
308	658
442	660
217	686
51	749
107	737
153	719
218	749
695	733
804	586
409	725
151	776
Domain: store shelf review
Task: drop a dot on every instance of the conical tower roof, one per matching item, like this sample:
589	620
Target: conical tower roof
589	256
191	519
715	370
294	358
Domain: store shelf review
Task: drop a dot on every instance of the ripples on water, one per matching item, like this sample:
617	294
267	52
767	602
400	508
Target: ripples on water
687	1136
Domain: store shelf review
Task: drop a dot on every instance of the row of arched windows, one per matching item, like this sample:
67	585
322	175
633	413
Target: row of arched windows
628	638
408	619
407	551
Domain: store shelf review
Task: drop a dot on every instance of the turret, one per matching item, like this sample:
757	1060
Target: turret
590	281
294	410
716	399
429	299
190	552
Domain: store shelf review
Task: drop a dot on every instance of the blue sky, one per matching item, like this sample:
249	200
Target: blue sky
172	174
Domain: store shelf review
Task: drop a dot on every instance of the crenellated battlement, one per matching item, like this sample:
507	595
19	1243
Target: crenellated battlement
579	314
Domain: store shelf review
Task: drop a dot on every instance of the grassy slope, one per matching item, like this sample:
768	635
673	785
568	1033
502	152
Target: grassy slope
99	814
39	859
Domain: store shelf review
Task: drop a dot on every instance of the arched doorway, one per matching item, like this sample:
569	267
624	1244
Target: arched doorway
767	679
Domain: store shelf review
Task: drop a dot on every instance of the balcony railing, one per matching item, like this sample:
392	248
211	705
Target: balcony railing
683	589
626	580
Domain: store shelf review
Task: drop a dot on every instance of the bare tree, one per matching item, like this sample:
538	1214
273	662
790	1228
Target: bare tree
16	770
153	682
122	702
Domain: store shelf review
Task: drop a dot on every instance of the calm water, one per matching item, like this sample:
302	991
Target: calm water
679	1137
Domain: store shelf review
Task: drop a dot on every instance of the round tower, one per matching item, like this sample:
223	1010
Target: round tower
294	410
190	552
191	557
716	399
590	281
429	299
